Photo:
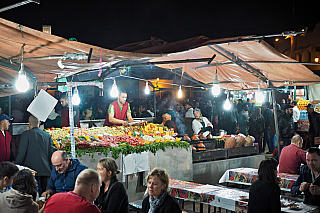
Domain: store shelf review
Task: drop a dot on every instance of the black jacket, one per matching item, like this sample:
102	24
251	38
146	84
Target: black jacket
117	201
35	151
264	197
314	120
305	176
267	115
286	130
169	205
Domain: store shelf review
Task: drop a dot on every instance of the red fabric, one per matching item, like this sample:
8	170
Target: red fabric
5	150
69	203
291	158
65	117
118	114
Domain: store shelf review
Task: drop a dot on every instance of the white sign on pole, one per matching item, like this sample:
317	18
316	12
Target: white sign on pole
42	105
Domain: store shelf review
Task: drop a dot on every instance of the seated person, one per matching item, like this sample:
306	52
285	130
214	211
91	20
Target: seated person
7	172
168	122
308	181
86	190
21	198
158	199
113	196
264	193
201	124
143	111
292	156
64	173
87	114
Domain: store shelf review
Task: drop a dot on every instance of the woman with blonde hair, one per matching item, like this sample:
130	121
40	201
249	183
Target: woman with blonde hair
159	201
113	196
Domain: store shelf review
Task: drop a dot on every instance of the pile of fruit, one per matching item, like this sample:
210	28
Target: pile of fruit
144	133
302	104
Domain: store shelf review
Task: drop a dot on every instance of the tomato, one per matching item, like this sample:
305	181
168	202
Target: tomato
52	128
48	129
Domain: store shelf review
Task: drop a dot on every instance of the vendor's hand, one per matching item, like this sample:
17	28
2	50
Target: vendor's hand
281	143
47	194
304	186
314	189
125	123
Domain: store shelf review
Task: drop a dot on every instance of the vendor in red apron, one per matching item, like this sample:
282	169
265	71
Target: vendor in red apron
118	111
65	112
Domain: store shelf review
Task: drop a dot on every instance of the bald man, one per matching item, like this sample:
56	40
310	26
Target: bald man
292	156
86	190
35	152
64	173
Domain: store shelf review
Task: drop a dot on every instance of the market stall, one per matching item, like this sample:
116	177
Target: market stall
136	148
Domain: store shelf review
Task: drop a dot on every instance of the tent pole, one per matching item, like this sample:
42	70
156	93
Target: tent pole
154	102
275	114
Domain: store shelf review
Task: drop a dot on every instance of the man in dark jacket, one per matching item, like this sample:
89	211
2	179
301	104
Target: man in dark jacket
286	130
267	115
308	181
64	173
314	120
35	152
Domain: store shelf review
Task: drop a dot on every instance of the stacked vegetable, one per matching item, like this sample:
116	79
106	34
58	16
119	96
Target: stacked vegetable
126	139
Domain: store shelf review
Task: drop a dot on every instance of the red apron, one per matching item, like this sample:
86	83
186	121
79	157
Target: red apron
118	114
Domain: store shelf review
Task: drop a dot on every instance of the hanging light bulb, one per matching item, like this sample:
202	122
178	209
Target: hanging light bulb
22	84
75	97
259	95
215	86
147	90
114	90
180	92
227	104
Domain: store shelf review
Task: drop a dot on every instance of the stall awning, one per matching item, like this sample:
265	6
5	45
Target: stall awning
241	65
42	52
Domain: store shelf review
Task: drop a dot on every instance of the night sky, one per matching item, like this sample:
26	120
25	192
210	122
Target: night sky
110	24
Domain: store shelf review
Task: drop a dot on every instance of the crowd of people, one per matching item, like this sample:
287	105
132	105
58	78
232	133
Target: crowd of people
67	183
75	188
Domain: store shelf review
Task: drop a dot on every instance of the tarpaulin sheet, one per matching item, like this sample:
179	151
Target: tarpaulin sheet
233	76
40	44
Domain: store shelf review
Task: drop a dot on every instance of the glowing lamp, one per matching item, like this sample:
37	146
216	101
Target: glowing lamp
114	90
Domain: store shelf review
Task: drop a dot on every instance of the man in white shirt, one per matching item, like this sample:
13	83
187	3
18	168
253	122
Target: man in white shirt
189	110
296	115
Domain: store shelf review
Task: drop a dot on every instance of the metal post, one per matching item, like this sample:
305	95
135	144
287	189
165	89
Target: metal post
71	121
275	114
154	102
9	105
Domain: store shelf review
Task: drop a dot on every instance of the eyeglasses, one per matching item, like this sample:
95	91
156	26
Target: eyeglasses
59	166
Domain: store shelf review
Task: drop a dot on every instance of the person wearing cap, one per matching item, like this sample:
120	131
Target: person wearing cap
285	124
5	139
314	121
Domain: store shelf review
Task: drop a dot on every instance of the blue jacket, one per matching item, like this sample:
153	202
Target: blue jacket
305	176
65	182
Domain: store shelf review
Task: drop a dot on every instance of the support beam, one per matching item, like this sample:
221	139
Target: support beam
231	57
